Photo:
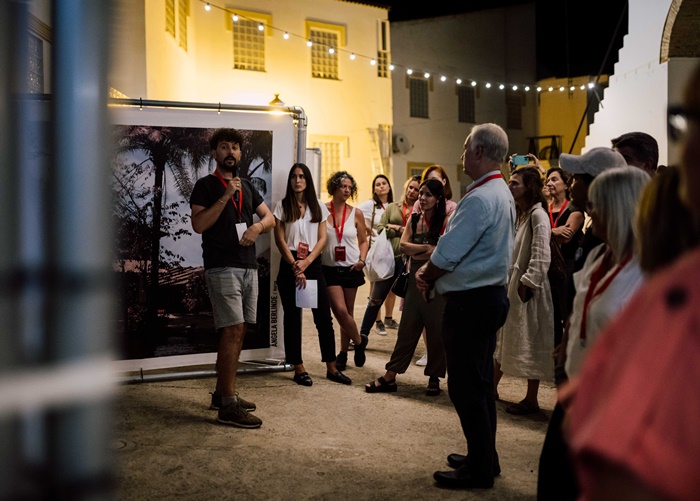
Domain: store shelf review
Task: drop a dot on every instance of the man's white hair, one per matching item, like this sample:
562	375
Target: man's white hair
492	138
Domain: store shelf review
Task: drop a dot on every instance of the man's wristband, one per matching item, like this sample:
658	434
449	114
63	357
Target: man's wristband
220	201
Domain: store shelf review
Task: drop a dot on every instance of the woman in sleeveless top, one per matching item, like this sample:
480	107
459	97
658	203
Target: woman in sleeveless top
343	261
418	314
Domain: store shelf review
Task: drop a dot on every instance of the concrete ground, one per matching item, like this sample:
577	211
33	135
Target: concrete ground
324	442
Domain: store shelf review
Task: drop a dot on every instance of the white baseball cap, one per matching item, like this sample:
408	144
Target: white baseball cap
593	162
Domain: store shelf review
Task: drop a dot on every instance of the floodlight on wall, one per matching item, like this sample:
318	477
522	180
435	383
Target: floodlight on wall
276	101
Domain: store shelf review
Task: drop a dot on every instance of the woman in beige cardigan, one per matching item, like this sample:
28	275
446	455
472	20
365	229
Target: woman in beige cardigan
525	342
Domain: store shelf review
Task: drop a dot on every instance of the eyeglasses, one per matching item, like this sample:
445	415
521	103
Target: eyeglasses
678	118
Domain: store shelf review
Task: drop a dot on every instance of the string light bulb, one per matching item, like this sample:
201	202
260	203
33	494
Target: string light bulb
550	89
527	88
235	18
309	43
391	67
474	83
331	50
459	81
591	85
443	78
539	89
572	88
561	89
583	87
488	85
501	86
352	56
261	27
426	74
515	87
285	36
373	62
409	71
207	7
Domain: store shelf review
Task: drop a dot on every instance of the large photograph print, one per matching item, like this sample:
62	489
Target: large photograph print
164	306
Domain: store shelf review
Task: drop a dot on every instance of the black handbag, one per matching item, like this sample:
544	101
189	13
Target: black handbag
400	286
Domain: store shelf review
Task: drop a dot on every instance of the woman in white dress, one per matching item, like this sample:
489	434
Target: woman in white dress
526	341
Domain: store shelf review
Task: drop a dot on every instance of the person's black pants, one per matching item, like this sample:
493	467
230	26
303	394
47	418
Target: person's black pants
556	478
292	315
471	321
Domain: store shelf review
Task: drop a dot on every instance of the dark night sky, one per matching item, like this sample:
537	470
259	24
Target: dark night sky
587	25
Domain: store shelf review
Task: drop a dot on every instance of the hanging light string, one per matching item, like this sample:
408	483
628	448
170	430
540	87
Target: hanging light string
410	70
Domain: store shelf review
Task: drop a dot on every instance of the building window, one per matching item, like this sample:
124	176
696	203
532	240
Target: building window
183	12
248	45
383	59
323	63
418	88
170	17
514	109
466	103
35	68
331	153
176	25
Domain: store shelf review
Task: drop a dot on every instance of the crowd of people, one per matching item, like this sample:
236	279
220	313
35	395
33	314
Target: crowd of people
618	335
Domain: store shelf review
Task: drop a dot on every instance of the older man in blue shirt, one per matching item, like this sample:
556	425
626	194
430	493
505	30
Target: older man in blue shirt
469	267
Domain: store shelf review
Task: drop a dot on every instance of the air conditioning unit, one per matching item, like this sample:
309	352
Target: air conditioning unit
400	144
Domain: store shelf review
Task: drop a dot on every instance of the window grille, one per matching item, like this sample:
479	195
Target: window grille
419	97
323	63
248	46
466	97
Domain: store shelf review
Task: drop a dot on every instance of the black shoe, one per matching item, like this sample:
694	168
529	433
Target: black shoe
341	361
360	357
338	377
461	478
303	379
459	460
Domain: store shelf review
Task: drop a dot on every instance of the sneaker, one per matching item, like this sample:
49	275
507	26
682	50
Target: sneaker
381	330
422	361
390	323
235	415
216	402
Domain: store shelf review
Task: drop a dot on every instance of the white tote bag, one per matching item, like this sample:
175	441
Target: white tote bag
380	259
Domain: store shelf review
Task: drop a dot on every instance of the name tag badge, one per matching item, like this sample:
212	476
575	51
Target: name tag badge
340	253
240	229
302	250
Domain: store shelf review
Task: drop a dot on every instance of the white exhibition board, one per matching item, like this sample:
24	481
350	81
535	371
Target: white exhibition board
182	252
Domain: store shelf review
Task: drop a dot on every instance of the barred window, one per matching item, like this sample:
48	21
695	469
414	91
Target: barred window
323	63
331	152
183	11
248	45
418	88
35	66
383	59
514	109
466	103
170	17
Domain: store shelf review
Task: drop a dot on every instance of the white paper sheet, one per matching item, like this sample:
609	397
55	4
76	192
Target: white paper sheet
308	298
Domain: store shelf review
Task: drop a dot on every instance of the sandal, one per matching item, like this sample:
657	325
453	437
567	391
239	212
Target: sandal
433	387
384	386
523	407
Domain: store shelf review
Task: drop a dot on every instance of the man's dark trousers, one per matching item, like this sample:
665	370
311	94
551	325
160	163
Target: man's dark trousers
472	319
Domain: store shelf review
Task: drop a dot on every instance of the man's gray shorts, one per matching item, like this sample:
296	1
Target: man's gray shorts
234	295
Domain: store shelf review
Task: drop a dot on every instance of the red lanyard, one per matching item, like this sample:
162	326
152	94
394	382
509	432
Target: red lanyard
592	293
484	181
239	207
403	215
427	224
339	231
561	211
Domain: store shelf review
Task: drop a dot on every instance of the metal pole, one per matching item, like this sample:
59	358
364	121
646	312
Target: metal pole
11	63
80	306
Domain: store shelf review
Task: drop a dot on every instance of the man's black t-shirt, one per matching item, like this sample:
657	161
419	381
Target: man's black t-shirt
220	242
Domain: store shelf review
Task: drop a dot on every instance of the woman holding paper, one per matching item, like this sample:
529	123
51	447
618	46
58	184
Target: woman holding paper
300	235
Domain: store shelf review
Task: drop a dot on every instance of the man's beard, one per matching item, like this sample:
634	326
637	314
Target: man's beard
229	168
